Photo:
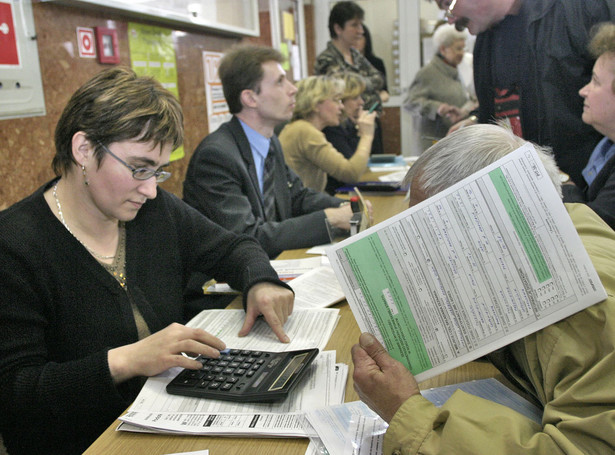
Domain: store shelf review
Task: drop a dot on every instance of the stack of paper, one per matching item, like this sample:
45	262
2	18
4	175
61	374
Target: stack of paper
317	288
156	411
289	269
354	429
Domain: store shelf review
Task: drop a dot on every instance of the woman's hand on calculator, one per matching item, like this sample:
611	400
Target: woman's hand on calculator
163	350
274	302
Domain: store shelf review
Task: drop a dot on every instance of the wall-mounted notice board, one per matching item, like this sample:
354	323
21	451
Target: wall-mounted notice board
21	86
233	17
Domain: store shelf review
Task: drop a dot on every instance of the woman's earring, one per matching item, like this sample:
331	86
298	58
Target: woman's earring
85	176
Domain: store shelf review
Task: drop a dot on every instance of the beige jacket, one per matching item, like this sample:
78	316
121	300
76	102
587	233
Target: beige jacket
312	157
569	366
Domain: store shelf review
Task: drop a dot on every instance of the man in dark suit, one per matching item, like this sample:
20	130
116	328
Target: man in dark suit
227	178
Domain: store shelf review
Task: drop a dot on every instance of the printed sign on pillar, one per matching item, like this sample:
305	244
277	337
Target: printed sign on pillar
9	53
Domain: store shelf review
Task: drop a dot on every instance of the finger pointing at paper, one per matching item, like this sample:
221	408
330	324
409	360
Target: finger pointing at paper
274	303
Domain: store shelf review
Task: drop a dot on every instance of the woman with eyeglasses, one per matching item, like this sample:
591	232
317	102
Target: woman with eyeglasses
318	104
94	264
356	130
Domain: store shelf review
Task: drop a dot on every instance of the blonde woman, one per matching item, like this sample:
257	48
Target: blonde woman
355	130
306	149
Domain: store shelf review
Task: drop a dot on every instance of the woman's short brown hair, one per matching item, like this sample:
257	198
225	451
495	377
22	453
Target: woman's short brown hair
603	42
117	105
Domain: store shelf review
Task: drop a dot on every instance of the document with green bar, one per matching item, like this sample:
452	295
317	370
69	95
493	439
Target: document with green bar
474	268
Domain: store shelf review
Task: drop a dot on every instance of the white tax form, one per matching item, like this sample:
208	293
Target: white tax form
156	410
474	268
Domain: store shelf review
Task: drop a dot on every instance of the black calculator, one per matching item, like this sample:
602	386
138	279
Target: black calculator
244	375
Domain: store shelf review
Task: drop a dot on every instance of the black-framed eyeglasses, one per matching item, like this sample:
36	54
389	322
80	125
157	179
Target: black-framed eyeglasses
140	173
448	13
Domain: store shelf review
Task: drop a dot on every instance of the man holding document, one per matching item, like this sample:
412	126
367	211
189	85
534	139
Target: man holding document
567	366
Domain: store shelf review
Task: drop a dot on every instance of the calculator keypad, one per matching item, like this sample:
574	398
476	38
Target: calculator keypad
244	375
225	372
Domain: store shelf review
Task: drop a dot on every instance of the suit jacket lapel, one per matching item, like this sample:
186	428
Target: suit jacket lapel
246	154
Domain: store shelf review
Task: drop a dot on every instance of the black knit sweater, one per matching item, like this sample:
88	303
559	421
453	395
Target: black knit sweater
61	311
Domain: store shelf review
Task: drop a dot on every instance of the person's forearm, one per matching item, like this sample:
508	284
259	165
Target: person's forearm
364	147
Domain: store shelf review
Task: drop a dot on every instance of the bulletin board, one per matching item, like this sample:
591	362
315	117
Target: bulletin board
21	86
236	17
152	53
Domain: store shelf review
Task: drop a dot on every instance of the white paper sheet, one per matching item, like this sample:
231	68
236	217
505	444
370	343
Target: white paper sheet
287	270
317	288
292	268
348	429
309	328
154	410
474	268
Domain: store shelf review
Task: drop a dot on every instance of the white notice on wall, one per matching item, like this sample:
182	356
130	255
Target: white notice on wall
217	108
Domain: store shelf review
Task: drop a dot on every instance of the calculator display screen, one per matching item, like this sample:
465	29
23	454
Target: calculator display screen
288	372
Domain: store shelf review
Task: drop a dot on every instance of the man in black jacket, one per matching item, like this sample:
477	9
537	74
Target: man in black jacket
530	60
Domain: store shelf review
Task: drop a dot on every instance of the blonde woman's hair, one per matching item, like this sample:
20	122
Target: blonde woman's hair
314	90
354	84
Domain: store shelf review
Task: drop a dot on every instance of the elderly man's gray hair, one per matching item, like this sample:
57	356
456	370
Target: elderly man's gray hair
467	151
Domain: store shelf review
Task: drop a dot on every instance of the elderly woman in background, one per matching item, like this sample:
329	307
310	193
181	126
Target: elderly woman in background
599	112
306	149
437	95
356	130
94	264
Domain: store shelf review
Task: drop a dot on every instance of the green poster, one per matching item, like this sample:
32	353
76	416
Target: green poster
152	53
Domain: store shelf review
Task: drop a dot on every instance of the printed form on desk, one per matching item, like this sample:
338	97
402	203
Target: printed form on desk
474	268
315	288
154	410
287	270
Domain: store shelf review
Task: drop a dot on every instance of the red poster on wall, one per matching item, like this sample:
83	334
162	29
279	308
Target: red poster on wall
9	54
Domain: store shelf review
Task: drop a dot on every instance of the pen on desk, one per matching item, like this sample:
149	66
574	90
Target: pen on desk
374	106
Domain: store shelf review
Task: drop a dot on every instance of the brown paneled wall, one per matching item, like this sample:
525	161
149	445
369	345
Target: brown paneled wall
26	145
391	132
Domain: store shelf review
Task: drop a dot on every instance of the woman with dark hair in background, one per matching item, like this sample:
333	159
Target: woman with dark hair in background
341	56
364	46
